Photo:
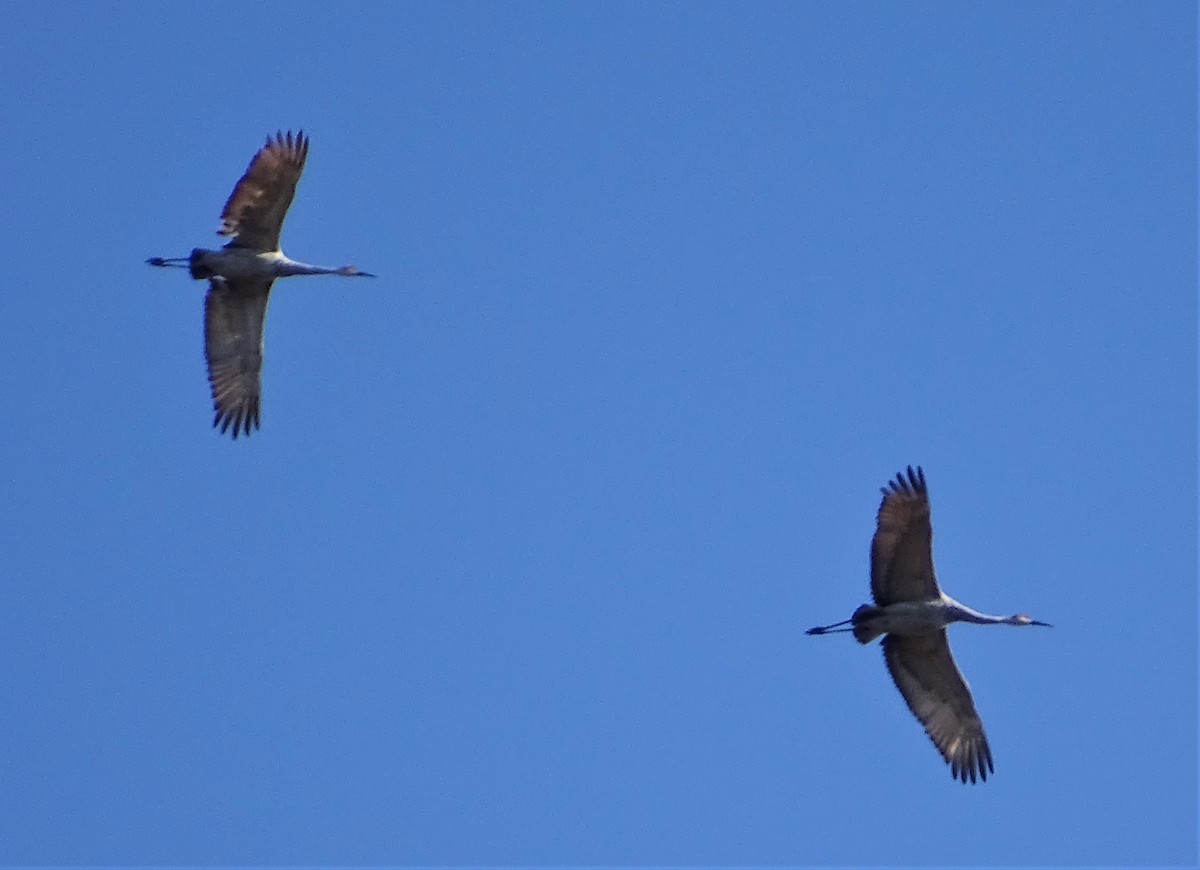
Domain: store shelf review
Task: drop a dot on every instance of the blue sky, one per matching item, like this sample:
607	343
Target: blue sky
517	570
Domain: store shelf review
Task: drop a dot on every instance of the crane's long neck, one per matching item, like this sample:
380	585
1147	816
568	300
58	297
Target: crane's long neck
962	613
285	267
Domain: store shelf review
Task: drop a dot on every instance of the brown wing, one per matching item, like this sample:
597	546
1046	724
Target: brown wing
255	210
902	549
934	688
233	345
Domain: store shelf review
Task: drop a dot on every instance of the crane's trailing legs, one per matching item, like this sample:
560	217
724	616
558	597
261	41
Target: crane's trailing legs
830	629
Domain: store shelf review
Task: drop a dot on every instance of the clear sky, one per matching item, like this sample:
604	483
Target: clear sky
518	568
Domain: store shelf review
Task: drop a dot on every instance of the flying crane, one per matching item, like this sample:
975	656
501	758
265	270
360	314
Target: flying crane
912	612
240	276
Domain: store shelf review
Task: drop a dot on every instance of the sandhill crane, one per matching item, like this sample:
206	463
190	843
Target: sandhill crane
240	276
911	609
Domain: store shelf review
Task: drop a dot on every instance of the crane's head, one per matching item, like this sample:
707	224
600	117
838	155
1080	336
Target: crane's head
351	272
1022	619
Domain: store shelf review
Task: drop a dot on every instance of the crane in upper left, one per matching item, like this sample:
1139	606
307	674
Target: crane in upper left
240	276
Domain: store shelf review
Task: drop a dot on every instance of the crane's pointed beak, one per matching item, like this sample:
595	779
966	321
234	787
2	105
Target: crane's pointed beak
1039	622
179	262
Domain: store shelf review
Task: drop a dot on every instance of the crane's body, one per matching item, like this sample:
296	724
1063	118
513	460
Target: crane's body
241	274
912	613
916	617
236	265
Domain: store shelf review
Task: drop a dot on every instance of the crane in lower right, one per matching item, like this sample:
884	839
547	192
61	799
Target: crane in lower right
912	613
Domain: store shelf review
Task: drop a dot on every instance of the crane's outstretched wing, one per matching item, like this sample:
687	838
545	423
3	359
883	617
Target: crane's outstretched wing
936	692
233	345
255	210
902	549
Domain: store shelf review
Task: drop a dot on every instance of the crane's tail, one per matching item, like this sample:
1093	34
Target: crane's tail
864	630
862	634
196	264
